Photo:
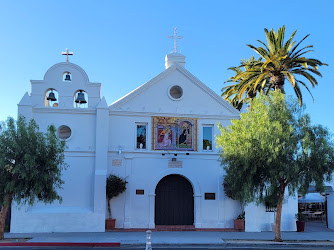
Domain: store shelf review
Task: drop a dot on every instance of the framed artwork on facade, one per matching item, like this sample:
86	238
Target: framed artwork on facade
174	133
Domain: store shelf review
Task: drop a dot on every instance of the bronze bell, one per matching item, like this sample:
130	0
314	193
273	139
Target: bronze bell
81	98
67	77
51	97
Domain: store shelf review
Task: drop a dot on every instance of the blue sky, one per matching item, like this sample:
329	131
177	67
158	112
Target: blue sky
122	44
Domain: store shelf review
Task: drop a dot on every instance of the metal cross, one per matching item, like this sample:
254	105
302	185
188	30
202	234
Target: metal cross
175	37
67	54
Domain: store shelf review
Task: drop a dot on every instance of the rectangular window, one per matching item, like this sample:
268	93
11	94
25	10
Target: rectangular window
207	137
141	136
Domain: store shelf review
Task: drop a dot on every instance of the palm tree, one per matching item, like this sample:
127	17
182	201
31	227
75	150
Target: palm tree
244	90
286	61
278	61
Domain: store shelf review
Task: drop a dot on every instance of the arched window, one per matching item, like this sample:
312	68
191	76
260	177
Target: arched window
51	98
67	76
80	99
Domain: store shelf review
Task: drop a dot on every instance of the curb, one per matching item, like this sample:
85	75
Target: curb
60	244
280	245
234	245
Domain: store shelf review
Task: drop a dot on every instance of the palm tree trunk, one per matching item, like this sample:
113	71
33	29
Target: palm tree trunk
251	96
278	237
3	213
278	82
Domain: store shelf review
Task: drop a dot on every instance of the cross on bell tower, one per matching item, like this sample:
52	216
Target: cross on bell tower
175	37
67	54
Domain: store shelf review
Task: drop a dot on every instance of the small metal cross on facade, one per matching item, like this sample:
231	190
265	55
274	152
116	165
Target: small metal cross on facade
67	54
175	37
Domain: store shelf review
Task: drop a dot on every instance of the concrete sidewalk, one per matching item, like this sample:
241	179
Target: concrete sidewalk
177	238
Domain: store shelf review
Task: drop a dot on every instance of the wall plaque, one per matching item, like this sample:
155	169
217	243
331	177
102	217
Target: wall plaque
116	162
140	191
210	196
175	164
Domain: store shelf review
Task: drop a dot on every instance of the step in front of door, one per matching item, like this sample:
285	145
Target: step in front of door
175	228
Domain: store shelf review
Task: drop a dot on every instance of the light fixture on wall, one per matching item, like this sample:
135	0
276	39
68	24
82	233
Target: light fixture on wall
119	150
174	159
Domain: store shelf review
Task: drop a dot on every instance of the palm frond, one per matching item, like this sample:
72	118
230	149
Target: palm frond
294	48
279	60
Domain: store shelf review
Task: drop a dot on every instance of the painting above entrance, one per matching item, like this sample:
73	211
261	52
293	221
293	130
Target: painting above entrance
174	133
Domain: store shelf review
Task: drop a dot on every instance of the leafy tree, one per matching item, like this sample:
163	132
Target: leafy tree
115	186
235	194
273	147
243	91
278	61
30	165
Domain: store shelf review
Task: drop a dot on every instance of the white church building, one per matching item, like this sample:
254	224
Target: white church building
160	137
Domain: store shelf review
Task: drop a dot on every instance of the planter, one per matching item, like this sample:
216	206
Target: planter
110	224
300	226
239	224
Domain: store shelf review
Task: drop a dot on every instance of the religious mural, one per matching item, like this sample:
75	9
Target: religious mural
174	133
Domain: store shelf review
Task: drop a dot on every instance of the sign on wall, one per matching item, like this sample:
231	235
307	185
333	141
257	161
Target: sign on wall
116	162
174	133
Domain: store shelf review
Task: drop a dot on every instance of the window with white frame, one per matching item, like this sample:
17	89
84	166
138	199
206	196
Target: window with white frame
207	137
141	133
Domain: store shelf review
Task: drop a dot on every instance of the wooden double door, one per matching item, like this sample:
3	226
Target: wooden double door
174	201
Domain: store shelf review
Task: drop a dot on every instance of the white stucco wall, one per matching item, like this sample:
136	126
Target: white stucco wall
144	168
99	132
257	219
330	210
83	194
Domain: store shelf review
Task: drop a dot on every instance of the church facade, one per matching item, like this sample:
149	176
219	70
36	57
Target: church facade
160	138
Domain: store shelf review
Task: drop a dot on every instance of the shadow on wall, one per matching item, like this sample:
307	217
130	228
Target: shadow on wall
7	222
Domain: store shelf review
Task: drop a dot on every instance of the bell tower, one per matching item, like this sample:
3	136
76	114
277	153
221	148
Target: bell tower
65	86
67	99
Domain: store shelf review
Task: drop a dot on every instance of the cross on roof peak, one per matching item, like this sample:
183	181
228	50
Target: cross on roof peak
175	37
67	54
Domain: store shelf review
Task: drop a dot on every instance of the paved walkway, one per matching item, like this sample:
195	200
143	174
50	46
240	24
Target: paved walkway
315	233
172	238
316	226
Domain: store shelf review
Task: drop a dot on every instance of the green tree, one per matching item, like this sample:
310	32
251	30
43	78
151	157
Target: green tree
114	187
243	91
30	165
273	147
278	61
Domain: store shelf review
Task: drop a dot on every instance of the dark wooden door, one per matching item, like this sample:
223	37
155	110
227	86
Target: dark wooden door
174	201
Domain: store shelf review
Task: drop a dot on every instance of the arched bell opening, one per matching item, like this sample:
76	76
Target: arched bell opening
80	99
67	76
51	98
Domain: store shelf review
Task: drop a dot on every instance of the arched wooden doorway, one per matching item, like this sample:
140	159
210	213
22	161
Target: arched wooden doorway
174	201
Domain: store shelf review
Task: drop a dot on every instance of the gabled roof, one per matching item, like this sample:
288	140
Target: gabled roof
175	67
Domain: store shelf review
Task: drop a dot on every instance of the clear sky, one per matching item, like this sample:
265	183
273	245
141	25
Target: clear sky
122	44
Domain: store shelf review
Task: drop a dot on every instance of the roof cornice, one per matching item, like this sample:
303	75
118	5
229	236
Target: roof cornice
153	81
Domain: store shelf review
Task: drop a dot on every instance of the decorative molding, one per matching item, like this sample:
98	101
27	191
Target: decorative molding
150	114
72	153
72	111
135	154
